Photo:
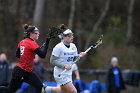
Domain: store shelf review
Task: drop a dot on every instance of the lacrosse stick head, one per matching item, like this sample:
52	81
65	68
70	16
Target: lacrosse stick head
54	32
98	42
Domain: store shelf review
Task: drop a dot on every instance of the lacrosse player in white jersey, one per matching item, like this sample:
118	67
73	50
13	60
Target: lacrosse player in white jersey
62	57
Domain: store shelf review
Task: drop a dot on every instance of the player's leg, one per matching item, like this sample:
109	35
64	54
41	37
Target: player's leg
56	89
68	87
35	82
16	80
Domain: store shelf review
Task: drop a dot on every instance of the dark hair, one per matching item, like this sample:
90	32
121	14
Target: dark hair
62	27
28	29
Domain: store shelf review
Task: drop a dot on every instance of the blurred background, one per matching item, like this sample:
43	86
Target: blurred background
117	20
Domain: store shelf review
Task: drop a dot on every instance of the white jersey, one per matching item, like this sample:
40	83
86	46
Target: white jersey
66	56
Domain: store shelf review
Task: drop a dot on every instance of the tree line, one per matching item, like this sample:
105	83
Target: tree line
118	20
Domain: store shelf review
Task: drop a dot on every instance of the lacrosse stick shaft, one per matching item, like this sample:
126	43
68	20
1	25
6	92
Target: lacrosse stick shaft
42	45
78	58
88	49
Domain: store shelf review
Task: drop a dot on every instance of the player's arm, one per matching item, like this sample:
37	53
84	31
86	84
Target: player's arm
56	62
77	58
18	53
41	52
76	71
77	74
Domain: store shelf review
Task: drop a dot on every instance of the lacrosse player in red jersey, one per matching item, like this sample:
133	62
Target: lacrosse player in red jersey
26	51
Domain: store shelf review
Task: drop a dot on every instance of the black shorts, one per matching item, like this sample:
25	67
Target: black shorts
19	75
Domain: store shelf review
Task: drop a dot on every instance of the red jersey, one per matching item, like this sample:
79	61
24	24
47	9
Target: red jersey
27	54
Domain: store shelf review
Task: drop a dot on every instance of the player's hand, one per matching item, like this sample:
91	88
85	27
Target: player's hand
68	66
82	54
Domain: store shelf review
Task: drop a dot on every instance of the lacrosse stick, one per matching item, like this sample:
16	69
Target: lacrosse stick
92	46
54	32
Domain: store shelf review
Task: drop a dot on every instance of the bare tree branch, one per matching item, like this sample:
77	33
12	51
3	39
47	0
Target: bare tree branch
79	26
38	12
129	20
71	17
95	27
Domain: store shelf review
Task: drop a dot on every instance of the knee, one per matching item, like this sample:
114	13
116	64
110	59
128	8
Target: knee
73	91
